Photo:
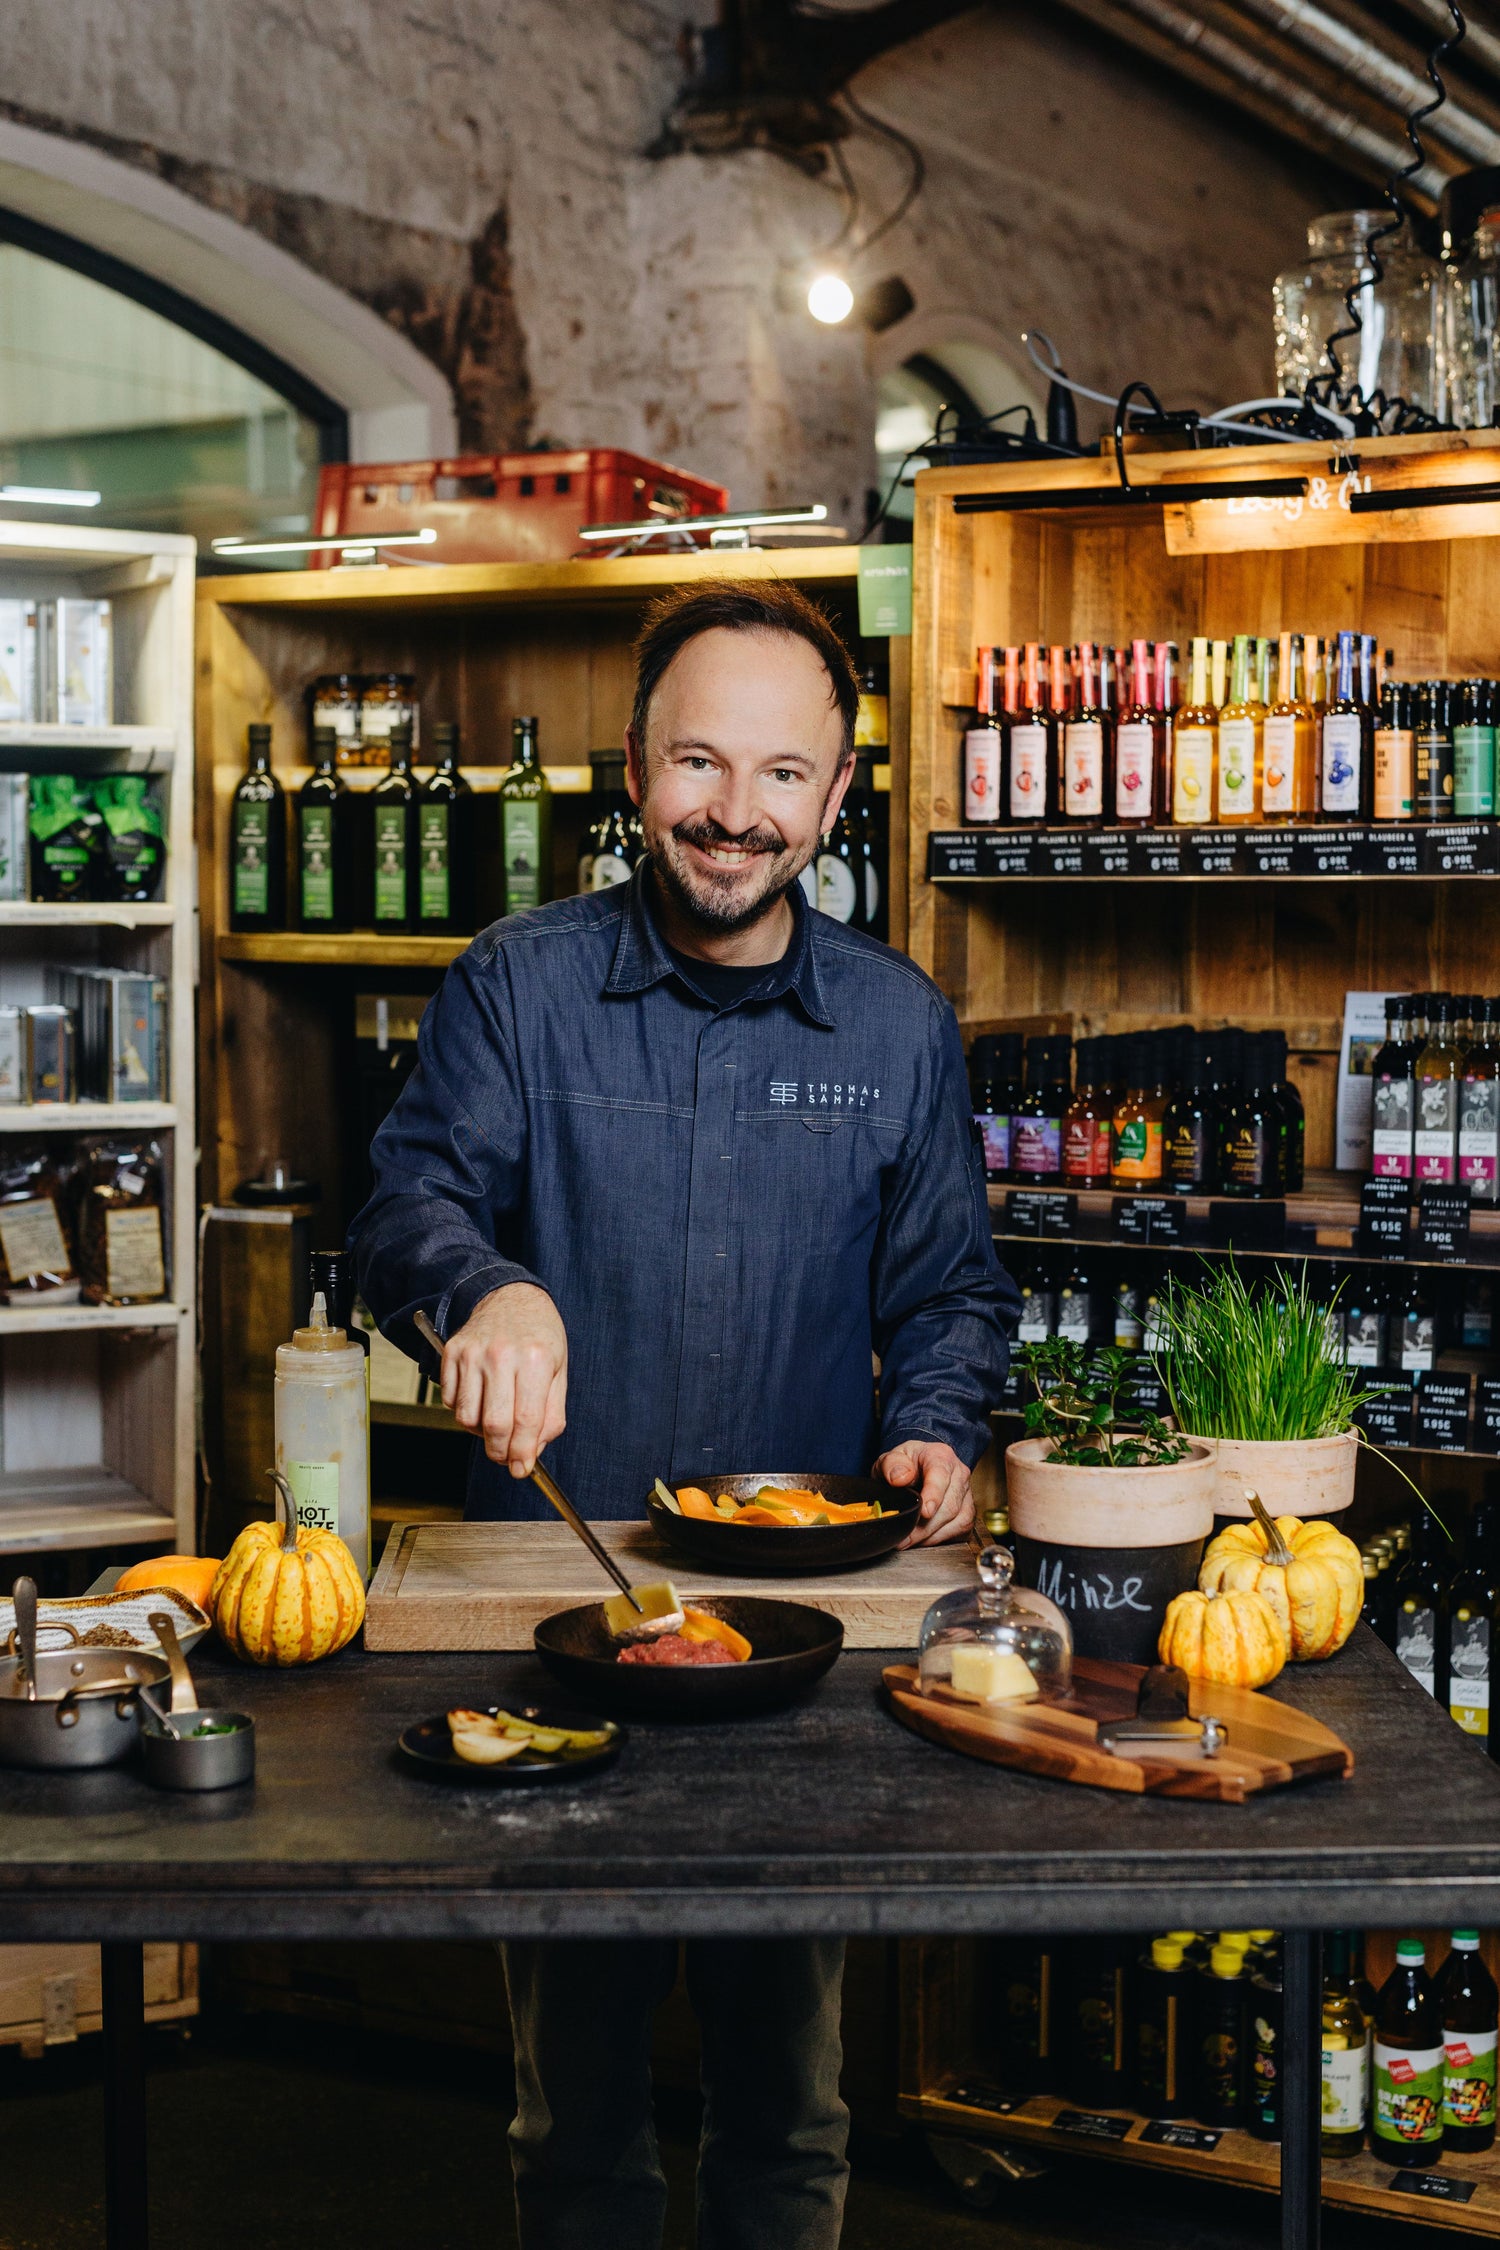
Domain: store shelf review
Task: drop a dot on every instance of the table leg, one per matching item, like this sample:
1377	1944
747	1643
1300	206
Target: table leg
1301	2090
127	2225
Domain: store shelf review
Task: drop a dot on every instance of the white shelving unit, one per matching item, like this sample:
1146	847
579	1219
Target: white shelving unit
96	1401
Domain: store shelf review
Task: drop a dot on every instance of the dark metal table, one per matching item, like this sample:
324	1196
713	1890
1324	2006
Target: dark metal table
827	1818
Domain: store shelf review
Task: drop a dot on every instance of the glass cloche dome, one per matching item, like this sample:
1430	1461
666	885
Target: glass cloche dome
996	1642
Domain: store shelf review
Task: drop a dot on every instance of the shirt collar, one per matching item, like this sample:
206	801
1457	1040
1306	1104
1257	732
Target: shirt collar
642	959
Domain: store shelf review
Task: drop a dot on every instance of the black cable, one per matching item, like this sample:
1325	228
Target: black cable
916	181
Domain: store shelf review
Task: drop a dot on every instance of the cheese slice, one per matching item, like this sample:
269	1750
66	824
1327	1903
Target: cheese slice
991	1675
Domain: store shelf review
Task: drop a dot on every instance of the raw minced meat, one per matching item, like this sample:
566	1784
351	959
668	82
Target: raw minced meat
672	1648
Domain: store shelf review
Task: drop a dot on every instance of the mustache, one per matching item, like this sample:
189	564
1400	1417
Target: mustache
705	832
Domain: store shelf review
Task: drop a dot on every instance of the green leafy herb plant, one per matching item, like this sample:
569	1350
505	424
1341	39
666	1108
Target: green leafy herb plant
1079	1410
1250	1364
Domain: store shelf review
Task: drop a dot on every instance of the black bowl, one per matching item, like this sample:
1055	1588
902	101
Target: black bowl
793	1645
788	1553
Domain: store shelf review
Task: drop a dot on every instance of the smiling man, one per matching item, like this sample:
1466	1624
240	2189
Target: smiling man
679	1160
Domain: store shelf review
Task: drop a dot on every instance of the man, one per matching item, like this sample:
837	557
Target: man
677	1158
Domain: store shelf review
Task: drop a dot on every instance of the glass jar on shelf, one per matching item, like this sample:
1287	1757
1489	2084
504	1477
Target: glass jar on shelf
334	702
1471	330
996	1642
389	701
1399	349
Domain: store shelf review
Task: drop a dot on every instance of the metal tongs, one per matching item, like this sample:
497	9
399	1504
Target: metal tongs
1162	1715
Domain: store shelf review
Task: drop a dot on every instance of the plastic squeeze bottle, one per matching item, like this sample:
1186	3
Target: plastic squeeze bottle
323	1431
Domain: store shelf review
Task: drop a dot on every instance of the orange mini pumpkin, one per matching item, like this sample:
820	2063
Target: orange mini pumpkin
1231	1639
287	1593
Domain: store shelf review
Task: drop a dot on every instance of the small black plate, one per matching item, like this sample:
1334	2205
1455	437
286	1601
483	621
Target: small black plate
789	1551
428	1743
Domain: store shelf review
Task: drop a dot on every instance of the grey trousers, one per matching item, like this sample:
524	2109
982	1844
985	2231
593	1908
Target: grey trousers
771	2169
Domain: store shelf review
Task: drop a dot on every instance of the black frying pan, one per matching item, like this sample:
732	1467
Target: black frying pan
792	1645
752	1547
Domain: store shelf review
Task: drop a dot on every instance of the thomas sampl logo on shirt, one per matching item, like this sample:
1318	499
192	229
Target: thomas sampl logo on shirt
821	1093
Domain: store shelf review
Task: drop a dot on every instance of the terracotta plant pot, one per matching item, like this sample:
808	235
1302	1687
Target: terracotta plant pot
1294	1476
1110	1546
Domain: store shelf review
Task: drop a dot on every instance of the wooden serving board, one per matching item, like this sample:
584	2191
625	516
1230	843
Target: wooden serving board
1269	1743
488	1585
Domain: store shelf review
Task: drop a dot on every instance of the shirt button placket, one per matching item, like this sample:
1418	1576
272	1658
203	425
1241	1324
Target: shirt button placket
699	1418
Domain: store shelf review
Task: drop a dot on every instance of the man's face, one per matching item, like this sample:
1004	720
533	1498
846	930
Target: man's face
740	774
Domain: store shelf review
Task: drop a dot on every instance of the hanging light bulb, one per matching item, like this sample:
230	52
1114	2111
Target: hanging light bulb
829	298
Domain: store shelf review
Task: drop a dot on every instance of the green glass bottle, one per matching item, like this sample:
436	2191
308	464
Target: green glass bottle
445	843
1407	2125
1346	2053
525	823
257	843
324	869
392	839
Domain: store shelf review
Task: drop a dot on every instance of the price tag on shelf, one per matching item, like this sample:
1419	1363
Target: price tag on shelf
1443	1223
1487	1415
1145	1391
1091	2124
1008	851
1440	2186
1328	851
1211	851
1393	851
1384	1218
955	853
1247	1226
1387	1419
1037	1211
1106	851
1156	851
1269	851
1147	1218
1440	1414
1170	2132
1459	847
1059	851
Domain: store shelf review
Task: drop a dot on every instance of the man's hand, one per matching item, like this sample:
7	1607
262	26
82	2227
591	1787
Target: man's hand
947	1502
505	1374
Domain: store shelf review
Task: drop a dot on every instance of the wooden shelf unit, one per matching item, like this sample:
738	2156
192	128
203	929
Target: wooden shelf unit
97	1402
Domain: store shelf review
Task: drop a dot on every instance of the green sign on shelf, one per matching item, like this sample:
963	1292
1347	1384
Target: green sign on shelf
884	591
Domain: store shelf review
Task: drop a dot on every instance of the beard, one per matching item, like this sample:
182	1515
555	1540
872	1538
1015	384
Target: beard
720	905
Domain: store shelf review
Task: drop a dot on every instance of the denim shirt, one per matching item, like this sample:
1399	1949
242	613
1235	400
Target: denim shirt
731	1209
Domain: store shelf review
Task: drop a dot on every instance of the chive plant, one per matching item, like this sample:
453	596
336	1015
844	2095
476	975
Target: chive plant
1242	1364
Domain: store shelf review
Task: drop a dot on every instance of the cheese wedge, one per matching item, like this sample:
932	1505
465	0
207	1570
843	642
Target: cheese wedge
991	1675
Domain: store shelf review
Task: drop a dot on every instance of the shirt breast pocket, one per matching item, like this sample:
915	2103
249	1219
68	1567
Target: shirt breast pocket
820	1124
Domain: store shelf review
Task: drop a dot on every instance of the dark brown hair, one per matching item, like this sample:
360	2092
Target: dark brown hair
741	606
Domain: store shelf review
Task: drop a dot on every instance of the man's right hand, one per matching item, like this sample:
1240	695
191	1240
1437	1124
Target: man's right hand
505	1375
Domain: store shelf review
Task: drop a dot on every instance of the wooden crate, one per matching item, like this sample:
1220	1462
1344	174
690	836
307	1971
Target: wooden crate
50	1994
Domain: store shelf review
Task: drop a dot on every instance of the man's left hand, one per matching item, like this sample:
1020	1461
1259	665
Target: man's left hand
947	1502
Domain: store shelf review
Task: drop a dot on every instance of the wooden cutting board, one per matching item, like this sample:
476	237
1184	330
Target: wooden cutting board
1269	1743
487	1585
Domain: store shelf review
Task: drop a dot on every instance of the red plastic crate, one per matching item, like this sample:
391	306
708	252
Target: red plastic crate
504	507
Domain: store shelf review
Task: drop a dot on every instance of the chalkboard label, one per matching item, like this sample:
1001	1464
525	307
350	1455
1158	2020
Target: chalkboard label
1459	847
1106	851
1033	1211
1487	1415
1212	851
1270	852
1147	1218
1442	2185
955	854
1166	2132
1440	1419
1091	2125
1008	851
1443	1223
1387	1419
1247	1226
1393	851
1059	851
1144	1391
1156	851
1384	1218
1328	851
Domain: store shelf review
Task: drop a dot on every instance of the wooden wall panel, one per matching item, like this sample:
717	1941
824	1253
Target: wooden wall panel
1405	604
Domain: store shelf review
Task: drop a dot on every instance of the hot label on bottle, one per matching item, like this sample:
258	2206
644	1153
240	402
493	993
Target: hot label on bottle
1083	769
1435	1140
1280	765
1192	776
1408	2094
1393	1104
1236	768
1341	752
1469	2078
1135	759
315	1488
1469	1672
981	778
1028	772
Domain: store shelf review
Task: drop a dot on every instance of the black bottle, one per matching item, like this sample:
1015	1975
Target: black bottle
1254	1129
1473	1606
1190	1131
1263	2096
325	854
1078	1307
1406	2120
1379	1607
1434	752
445	843
1469	2007
1036	1125
1421	1597
391	837
1098	2022
257	843
862	807
1221	2018
994	1090
1163	2029
1028	2008
1293	1115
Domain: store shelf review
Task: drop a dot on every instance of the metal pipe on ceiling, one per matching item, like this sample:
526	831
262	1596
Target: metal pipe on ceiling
1480	45
1349	49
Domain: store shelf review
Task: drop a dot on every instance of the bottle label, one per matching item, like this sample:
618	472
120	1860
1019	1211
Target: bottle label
1083	769
1473	772
317	863
1435	774
1479	1135
1393	1103
522	852
1080	1143
981	778
838	893
872	894
1028	772
252	859
1344	2089
315	1488
434	890
1418	1341
1137	1150
133	1262
1435	1141
1469	1673
1185	1155
1341	755
1073	1316
994	1131
390	861
1469	2078
1408	2094
608	868
1280	741
1416	1644
1135	762
1035	1324
1362	1338
1192	777
1247	1158
1036	1145
1236	769
1393	770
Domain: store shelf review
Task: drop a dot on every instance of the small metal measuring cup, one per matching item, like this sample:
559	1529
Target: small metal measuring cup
186	1747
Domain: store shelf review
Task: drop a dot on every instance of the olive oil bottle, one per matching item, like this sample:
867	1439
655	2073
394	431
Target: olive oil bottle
324	858
445	843
392	838
525	823
257	843
1346	2037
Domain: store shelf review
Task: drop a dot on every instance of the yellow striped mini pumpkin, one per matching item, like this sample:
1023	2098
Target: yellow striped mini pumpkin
287	1593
